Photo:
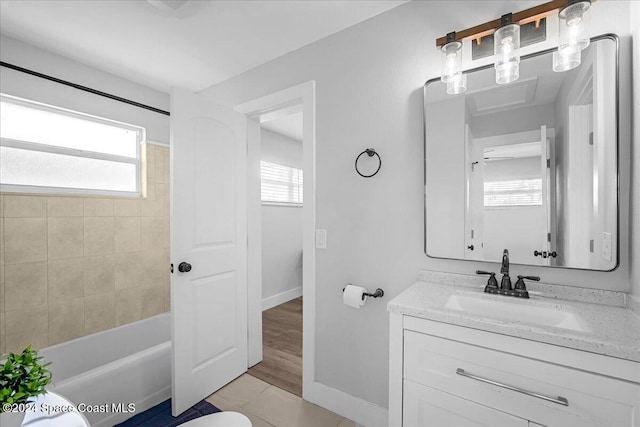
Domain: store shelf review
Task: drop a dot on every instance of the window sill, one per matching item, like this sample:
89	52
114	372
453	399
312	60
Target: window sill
71	192
282	205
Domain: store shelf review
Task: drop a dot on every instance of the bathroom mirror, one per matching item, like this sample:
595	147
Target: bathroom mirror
530	166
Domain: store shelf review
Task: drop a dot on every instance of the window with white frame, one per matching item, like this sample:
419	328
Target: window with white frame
50	149
517	192
280	184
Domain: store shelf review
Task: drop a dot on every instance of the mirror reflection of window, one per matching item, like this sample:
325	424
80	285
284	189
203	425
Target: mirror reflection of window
512	176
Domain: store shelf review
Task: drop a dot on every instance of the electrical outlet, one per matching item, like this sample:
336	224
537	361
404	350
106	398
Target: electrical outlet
321	239
606	246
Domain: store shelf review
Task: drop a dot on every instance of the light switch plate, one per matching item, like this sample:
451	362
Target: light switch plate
606	246
321	239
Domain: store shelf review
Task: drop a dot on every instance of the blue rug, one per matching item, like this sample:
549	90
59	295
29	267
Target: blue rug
160	415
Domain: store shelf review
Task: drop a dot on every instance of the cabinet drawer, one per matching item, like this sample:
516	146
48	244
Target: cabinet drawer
495	377
427	407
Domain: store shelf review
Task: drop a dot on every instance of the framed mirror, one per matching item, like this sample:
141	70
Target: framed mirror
530	166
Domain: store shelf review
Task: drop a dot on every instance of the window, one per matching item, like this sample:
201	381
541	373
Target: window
519	192
49	149
281	184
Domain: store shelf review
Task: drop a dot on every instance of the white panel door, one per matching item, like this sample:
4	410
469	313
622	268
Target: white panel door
474	218
208	231
545	241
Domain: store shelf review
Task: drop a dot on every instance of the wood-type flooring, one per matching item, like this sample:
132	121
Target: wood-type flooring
281	364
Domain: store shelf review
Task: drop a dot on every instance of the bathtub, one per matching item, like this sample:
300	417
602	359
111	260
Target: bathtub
124	365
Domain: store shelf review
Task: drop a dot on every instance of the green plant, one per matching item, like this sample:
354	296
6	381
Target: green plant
23	376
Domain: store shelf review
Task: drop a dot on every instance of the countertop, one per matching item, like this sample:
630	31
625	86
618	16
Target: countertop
608	330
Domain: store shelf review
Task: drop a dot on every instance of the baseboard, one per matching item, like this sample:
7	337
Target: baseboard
281	298
357	410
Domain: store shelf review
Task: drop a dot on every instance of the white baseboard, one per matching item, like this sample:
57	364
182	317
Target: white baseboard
281	298
357	410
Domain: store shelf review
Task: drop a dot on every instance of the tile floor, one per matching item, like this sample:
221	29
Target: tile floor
270	406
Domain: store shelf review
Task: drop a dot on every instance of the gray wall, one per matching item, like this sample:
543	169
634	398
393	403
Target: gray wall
33	88
281	225
369	81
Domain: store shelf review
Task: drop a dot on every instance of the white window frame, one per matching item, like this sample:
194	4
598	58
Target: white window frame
282	204
34	146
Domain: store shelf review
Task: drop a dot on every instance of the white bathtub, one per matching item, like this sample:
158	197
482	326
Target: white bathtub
127	364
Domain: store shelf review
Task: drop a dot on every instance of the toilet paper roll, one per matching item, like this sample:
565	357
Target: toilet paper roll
352	296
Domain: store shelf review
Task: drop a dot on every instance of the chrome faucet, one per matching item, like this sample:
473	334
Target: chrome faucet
506	280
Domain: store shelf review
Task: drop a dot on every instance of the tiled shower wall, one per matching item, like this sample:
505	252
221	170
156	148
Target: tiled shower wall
72	266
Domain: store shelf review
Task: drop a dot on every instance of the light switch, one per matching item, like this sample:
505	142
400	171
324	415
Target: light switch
606	246
321	239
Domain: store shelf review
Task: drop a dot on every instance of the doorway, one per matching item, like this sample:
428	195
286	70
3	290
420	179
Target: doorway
298	100
282	199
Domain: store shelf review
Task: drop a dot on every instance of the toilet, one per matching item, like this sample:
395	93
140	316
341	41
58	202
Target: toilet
220	419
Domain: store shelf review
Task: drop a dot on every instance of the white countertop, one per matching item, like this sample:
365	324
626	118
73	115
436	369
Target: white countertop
607	330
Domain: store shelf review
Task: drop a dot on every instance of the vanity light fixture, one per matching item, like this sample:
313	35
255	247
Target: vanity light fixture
573	34
573	17
506	50
574	24
451	65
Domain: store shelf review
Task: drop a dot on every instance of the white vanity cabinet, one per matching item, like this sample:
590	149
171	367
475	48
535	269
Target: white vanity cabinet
447	375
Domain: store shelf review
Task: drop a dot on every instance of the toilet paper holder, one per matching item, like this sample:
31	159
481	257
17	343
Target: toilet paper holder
377	294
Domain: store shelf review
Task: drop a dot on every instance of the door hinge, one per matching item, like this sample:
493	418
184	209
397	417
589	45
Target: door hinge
548	237
591	242
590	138
171	268
472	234
549	163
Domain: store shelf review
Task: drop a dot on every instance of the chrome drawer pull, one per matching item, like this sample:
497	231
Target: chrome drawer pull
559	400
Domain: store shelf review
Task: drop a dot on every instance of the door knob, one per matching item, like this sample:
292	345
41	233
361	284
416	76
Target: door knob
470	247
184	267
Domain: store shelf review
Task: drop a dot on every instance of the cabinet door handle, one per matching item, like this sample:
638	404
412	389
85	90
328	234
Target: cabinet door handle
559	400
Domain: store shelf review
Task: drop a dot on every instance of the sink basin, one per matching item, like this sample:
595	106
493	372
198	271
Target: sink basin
534	314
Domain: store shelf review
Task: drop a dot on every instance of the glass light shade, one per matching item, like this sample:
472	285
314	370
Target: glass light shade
506	42
574	25
458	85
450	61
566	58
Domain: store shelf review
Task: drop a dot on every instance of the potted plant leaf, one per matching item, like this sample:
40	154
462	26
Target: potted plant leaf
23	376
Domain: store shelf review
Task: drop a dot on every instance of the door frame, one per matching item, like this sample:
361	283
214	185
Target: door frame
304	96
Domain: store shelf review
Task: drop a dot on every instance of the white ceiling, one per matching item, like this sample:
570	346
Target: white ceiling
290	126
199	44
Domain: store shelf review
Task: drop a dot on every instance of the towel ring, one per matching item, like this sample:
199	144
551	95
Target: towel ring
370	152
